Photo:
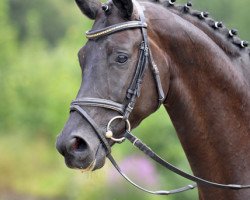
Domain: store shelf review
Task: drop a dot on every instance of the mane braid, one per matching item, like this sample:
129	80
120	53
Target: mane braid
225	34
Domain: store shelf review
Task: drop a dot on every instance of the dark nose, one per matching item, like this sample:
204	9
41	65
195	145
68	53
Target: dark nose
75	147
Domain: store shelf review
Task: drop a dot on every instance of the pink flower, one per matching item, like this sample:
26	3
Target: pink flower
138	169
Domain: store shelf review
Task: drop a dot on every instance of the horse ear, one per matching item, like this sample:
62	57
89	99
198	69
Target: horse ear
125	7
89	7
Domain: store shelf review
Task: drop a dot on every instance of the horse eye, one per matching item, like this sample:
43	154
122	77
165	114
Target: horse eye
121	59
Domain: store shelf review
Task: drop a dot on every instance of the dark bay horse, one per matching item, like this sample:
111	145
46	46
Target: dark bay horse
204	69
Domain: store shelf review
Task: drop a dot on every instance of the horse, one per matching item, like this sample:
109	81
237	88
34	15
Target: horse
193	65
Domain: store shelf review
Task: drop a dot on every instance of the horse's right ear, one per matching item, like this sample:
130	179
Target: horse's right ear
89	7
125	7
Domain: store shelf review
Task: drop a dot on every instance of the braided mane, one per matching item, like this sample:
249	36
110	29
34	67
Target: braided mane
226	38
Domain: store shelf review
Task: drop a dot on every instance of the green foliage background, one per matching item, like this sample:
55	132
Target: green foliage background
39	76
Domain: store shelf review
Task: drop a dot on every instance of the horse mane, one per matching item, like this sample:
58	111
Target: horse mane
216	30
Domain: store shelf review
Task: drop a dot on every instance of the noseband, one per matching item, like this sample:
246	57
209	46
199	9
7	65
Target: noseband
133	92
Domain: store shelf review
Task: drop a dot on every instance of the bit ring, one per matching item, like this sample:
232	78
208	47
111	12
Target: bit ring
109	133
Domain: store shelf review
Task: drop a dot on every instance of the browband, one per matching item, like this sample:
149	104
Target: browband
92	34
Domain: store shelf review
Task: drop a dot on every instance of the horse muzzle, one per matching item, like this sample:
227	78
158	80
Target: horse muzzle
79	154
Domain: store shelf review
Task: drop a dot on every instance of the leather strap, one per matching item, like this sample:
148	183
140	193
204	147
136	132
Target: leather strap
132	89
161	95
159	192
156	73
98	131
146	150
115	28
135	87
97	102
145	53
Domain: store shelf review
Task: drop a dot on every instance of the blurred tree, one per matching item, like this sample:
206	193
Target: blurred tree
232	13
50	18
7	35
8	51
33	93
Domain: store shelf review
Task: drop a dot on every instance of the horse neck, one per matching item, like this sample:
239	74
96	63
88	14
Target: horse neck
208	102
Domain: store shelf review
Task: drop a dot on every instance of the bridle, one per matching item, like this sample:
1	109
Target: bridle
133	92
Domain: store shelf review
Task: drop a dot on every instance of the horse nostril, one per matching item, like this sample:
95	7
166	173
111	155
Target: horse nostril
78	144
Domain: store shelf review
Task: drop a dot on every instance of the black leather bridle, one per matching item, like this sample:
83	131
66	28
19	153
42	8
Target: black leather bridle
133	93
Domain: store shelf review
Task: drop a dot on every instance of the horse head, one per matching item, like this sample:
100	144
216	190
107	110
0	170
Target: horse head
110	76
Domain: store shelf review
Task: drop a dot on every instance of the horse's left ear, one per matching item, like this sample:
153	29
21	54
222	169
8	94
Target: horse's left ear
125	7
89	7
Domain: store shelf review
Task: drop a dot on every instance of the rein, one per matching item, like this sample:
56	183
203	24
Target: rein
133	92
